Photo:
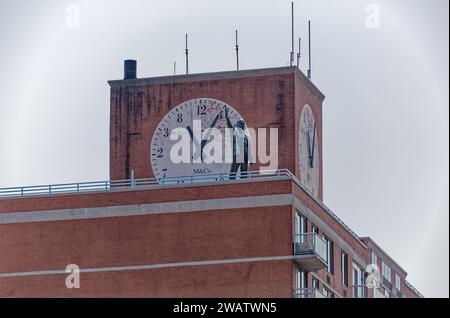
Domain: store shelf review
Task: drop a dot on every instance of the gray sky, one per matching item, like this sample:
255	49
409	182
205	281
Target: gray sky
386	126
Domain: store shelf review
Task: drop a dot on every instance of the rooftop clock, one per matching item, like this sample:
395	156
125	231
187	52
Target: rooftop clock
308	151
211	113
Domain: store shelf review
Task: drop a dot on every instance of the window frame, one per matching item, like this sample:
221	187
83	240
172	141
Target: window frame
374	258
301	223
386	271
344	269
330	255
398	282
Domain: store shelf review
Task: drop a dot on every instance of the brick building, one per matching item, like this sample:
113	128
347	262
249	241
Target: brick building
157	229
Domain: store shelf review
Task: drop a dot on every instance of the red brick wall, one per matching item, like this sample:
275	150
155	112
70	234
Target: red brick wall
149	239
152	239
264	279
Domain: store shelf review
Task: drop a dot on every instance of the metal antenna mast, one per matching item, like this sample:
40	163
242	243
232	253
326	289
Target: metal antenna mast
187	55
299	51
292	34
309	48
237	51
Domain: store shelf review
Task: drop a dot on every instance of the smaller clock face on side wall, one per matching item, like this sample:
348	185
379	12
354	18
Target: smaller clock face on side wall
211	114
308	151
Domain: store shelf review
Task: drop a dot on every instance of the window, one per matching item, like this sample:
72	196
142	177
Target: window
344	268
300	223
386	271
315	229
357	281
397	282
300	278
301	282
374	259
330	255
315	283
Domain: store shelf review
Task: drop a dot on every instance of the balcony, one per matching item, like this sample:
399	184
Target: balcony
308	293
310	251
379	293
362	291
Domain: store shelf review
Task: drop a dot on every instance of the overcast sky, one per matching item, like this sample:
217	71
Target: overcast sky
385	115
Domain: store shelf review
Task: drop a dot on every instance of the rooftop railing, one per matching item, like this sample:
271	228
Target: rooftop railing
96	186
99	186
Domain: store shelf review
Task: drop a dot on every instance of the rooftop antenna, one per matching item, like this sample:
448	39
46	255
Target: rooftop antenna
299	51
309	49
292	34
187	56
174	67
237	51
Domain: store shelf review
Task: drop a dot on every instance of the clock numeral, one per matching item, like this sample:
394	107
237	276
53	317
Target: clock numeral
160	153
164	172
180	118
201	110
166	132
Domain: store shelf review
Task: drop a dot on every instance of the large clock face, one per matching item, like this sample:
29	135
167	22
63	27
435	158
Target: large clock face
308	151
211	114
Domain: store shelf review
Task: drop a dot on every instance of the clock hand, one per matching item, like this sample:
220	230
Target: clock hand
312	146
194	140
309	146
206	140
191	133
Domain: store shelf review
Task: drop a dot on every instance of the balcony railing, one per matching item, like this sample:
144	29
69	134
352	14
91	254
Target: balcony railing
379	293
308	293
362	291
311	250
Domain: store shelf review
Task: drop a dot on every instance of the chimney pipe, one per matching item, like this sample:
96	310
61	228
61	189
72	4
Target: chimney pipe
130	69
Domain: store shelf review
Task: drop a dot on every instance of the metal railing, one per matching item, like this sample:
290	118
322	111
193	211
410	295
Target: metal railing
379	293
310	243
158	182
97	186
308	293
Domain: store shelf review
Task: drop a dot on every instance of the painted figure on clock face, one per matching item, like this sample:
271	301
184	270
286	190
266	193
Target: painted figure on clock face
242	147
